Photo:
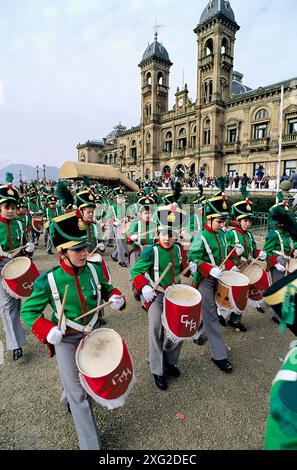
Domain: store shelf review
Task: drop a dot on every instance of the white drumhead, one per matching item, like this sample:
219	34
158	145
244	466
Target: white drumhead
231	278
253	272
183	295
292	265
95	258
16	268
100	353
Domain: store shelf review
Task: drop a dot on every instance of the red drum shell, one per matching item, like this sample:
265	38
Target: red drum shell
259	281
232	292
18	277
37	224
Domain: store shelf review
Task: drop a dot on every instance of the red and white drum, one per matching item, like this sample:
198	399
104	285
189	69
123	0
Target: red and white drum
105	367
232	293
96	258
181	312
292	266
18	277
37	223
259	282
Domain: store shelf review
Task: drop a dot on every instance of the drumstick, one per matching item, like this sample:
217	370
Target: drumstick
96	309
231	252
255	260
63	306
184	272
21	247
162	276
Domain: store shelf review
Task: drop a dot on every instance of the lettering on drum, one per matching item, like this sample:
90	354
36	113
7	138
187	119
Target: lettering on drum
192	325
101	353
121	377
27	286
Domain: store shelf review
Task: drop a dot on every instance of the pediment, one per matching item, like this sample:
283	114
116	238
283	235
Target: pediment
292	109
233	122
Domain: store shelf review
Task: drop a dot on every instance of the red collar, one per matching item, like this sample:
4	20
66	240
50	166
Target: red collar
163	247
210	230
67	268
239	230
5	221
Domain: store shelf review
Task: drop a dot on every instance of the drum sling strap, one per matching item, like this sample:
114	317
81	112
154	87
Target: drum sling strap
57	300
238	242
282	252
157	267
208	250
21	230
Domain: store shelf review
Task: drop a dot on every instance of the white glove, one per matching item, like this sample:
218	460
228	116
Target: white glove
239	250
283	260
295	254
148	293
193	267
117	302
101	246
5	254
30	247
134	238
216	273
116	224
54	336
263	255
235	269
280	267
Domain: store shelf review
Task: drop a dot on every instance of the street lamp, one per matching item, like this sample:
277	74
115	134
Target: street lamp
37	172
280	142
43	169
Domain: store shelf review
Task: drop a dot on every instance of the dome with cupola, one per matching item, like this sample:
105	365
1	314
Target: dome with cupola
156	51
215	7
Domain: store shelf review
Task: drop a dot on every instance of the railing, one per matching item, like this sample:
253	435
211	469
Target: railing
206	61
260	220
227	60
231	147
289	139
256	144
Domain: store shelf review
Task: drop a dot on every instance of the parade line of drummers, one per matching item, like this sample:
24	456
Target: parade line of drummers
211	245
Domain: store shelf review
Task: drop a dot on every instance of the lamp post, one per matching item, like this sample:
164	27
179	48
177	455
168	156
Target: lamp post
43	169
37	173
280	142
20	177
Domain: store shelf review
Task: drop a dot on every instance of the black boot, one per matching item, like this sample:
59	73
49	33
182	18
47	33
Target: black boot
223	365
171	370
17	354
237	326
201	340
161	382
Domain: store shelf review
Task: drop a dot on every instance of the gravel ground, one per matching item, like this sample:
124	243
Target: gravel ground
220	411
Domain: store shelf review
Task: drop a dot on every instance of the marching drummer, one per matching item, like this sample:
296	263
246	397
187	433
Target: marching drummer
24	215
145	274
51	212
119	217
85	201
12	237
242	212
86	287
142	232
207	254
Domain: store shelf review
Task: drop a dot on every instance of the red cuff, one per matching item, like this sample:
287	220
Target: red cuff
41	329
272	261
118	292
129	241
229	265
139	282
204	269
257	253
28	229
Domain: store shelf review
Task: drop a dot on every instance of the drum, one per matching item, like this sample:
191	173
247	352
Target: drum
292	266
232	292
96	258
105	367
18	277
259	282
37	223
181	315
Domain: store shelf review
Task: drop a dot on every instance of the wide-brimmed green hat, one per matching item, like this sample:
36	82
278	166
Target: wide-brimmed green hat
68	231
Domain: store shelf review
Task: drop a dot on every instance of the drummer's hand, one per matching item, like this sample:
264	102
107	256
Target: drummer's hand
280	267
193	267
282	259
239	249
148	293
30	247
134	238
216	273
117	302
116	224
54	336
235	269
101	246
295	254
263	255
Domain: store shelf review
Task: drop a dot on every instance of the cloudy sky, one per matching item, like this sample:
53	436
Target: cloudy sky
69	68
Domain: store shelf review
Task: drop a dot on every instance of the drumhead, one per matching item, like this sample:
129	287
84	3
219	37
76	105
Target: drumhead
232	278
99	353
292	265
183	295
95	258
16	268
253	272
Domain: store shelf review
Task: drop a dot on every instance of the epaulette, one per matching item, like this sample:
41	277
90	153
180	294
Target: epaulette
41	282
148	253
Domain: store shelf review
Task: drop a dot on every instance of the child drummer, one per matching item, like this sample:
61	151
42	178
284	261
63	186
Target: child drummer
87	286
207	253
145	274
12	236
242	212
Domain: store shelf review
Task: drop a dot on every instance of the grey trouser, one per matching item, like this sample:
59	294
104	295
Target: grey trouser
276	276
119	250
161	348
134	257
80	403
207	289
10	314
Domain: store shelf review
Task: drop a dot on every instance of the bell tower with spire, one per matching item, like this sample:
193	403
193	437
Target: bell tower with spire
216	35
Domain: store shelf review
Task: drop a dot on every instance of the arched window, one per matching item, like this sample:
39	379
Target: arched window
83	157
193	137
168	142
207	91
106	159
206	132
133	150
111	161
148	143
160	78
149	78
208	47
148	111
225	47
160	108
182	138
224	89
262	114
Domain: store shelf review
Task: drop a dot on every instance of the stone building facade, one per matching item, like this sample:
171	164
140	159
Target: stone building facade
229	128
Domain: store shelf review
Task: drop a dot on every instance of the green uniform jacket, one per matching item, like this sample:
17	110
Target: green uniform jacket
33	206
273	246
176	255
82	297
26	220
281	429
147	239
12	234
246	239
218	245
51	213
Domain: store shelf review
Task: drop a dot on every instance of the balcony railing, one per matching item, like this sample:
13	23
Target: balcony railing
147	89
290	140
207	61
259	144
231	147
227	60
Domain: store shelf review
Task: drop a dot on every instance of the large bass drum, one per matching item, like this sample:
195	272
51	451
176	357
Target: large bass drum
18	277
